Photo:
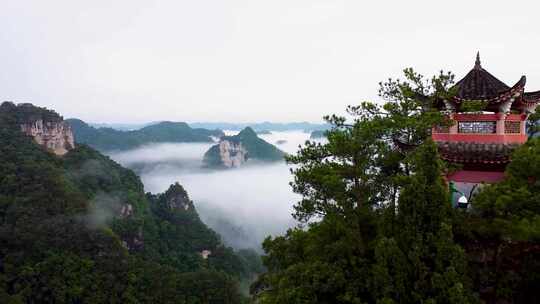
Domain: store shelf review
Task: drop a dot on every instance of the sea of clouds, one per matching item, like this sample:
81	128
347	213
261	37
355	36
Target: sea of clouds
244	205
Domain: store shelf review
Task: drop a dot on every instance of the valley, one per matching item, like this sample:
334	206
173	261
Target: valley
244	205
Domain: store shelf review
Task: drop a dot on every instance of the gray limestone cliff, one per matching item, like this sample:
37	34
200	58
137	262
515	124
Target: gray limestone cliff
234	151
232	154
226	154
55	136
46	127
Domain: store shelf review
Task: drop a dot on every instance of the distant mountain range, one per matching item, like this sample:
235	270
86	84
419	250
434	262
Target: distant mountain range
257	126
123	126
106	139
262	126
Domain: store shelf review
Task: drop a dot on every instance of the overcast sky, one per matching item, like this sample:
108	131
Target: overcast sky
247	60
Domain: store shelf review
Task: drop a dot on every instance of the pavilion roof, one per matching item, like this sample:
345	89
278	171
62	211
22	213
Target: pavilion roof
476	153
531	96
479	84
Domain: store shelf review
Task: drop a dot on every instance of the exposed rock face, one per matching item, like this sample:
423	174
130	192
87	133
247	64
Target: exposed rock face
232	154
56	136
234	151
45	126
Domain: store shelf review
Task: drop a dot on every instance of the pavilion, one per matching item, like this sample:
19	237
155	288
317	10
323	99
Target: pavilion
481	142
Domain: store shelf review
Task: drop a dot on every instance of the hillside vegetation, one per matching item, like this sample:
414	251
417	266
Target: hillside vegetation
80	229
106	139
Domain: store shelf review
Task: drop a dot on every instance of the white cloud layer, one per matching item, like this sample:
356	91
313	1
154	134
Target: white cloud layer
244	205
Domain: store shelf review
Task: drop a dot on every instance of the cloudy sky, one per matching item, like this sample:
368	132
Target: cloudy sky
247	60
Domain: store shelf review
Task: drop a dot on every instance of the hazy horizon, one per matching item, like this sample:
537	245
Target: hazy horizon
193	122
243	61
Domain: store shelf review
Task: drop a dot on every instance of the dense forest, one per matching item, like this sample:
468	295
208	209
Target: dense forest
106	139
378	226
80	229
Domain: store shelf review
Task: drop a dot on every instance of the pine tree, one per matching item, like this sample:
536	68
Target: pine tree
420	261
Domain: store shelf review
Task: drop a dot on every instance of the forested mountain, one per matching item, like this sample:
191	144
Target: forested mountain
105	139
79	228
122	126
233	151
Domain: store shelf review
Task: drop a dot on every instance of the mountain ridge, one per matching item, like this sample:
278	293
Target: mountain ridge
262	126
107	139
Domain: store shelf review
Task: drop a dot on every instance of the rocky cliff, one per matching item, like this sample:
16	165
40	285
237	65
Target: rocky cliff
227	154
234	151
55	136
46	127
232	154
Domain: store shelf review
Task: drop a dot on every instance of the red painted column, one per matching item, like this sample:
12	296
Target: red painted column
523	124
454	127
500	123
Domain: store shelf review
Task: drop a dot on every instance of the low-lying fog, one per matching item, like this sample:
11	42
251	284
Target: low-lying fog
244	205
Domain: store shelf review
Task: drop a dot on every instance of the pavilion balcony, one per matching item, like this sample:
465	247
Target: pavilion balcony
483	128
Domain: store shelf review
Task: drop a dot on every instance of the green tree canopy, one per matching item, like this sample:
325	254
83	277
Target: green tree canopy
382	231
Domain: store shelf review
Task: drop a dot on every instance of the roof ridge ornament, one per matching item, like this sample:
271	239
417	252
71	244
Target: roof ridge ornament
477	64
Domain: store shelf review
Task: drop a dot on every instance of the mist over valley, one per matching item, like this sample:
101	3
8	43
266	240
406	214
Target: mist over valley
244	205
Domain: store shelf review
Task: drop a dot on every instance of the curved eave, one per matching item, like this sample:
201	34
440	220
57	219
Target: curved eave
528	103
475	152
531	97
515	91
465	160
